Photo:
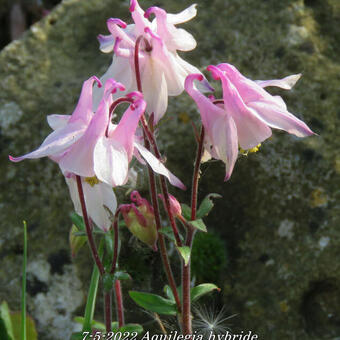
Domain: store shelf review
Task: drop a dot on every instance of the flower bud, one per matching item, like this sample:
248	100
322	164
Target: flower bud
140	219
175	206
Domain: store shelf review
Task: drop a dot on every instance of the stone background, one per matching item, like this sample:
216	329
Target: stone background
279	218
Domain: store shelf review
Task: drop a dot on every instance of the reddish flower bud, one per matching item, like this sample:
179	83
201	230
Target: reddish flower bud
175	206
140	219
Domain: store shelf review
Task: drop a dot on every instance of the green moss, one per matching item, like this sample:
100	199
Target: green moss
208	257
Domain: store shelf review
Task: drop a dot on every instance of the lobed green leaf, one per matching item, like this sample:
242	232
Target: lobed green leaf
198	224
202	289
186	211
154	303
206	205
78	221
185	252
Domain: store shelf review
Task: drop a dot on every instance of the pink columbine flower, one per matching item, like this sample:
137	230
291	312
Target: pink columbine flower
246	114
113	151
80	159
90	146
67	141
68	129
162	71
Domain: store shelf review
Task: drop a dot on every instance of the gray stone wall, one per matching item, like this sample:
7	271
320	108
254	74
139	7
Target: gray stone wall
280	213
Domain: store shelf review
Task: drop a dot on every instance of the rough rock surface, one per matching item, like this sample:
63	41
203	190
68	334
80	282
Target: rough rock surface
280	213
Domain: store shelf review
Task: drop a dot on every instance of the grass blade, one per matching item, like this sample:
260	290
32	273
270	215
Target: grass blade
92	295
23	292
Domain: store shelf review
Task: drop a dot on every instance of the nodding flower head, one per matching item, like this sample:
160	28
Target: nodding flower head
161	71
243	118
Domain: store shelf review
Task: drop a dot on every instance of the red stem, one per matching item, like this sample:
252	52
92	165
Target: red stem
163	183
113	107
88	228
152	183
119	303
118	293
161	240
108	310
186	303
196	176
136	59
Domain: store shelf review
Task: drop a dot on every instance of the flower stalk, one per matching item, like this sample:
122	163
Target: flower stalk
196	175
119	303
186	303
90	238
152	185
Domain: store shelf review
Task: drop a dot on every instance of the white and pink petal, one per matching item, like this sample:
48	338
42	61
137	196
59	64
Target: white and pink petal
279	118
57	142
158	167
285	83
110	162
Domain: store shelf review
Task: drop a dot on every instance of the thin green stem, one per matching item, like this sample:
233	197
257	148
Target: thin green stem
116	242
108	310
92	294
23	292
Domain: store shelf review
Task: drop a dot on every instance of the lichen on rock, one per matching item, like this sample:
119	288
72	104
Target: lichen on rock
280	213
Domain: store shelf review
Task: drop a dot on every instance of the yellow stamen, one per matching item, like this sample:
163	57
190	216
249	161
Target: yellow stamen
252	150
92	180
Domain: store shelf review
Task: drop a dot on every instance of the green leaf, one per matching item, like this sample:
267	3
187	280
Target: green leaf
6	330
198	224
77	336
121	223
23	289
154	303
96	324
31	332
167	231
78	221
108	281
76	242
206	205
185	253
168	292
3	332
121	275
109	246
186	211
94	231
131	327
109	243
202	289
